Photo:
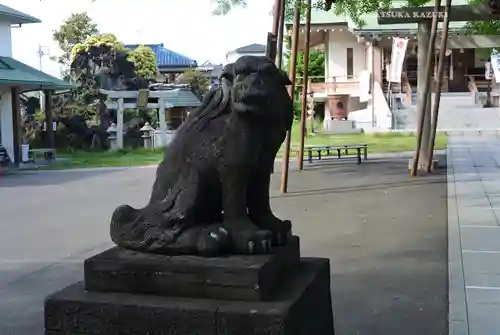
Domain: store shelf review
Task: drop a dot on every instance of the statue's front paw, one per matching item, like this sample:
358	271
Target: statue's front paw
281	229
247	239
212	241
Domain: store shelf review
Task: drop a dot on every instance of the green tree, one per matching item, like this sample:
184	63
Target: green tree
76	29
198	81
97	43
143	57
316	65
144	60
489	27
224	6
102	61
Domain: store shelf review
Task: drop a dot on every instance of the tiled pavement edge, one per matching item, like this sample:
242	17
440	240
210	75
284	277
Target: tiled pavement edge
457	316
474	234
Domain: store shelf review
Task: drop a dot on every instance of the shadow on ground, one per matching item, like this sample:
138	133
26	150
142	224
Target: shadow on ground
51	178
386	236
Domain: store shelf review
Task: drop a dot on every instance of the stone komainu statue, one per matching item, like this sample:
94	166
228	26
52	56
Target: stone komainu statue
211	193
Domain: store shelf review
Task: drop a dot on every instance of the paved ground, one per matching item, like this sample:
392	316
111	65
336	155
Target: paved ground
474	234
384	233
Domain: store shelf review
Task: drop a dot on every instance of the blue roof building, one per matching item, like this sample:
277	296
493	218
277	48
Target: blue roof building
168	60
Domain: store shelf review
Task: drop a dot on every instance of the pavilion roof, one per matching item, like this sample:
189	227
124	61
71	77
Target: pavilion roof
179	96
15	73
16	17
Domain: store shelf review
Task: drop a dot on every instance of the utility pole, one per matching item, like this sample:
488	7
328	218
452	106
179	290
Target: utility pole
291	91
42	51
305	82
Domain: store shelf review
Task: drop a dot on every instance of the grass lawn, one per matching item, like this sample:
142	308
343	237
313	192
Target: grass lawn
377	143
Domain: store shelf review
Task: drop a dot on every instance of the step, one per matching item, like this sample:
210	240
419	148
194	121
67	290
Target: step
243	277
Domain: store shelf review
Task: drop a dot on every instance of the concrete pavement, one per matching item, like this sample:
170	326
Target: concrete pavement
474	234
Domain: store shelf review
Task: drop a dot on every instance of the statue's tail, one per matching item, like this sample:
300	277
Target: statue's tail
139	229
128	227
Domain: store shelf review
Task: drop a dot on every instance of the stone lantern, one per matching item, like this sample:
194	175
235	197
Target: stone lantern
147	135
112	131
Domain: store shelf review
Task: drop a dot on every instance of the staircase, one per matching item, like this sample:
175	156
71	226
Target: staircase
457	112
481	84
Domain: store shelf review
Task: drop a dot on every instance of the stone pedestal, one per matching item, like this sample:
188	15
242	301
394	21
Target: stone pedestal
129	293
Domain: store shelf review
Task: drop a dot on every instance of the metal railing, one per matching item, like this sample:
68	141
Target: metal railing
473	89
405	82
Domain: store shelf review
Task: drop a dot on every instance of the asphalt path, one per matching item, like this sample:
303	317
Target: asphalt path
384	233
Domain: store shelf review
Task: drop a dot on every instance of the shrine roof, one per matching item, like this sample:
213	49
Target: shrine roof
166	58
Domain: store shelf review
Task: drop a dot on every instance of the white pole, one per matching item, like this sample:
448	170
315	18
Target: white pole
373	84
41	96
163	123
119	124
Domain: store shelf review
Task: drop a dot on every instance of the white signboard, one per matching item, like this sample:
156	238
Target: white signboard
495	64
397	59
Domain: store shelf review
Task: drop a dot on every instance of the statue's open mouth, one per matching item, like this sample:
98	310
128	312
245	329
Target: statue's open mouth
246	106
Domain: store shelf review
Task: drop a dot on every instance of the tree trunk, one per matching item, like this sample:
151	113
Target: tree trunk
279	24
291	91
440	73
281	34
424	98
305	82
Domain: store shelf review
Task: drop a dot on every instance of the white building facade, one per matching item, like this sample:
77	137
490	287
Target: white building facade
356	60
15	78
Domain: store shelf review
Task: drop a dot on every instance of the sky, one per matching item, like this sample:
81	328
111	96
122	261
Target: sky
184	26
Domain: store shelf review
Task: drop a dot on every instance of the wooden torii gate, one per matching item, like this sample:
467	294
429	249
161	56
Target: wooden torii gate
116	102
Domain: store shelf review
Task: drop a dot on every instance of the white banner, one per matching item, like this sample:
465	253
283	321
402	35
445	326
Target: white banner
488	71
397	59
495	64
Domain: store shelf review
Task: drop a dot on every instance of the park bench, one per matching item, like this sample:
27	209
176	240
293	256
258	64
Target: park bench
49	154
361	149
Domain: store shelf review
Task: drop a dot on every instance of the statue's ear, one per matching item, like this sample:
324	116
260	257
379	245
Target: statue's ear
228	73
285	78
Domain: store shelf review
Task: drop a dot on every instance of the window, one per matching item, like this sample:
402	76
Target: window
350	63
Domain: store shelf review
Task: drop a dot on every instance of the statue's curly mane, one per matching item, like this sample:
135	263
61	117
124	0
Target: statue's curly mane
221	147
213	105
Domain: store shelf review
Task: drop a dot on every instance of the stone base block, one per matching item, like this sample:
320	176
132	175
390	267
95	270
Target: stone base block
235	277
302	306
